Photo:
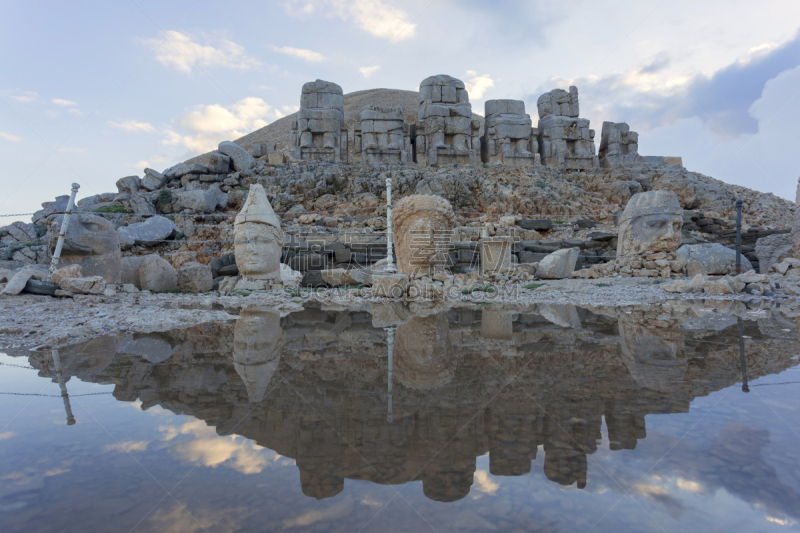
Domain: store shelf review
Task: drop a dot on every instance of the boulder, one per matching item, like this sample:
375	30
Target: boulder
558	265
195	278
717	287
678	286
258	238
129	185
773	249
20	278
694	191
149	272
715	258
200	201
86	285
152	180
181	169
71	271
338	277
143	205
651	222
152	231
21	232
423	225
242	161
92	242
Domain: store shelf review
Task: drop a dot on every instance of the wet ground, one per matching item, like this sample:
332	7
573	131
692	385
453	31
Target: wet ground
475	418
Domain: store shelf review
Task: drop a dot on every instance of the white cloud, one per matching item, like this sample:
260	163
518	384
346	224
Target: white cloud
484	483
26	97
62	102
304	54
9	137
204	127
132	125
182	53
376	17
368	71
127	446
478	85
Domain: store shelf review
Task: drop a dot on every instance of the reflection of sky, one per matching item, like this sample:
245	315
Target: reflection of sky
729	464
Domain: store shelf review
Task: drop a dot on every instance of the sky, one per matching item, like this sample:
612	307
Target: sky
94	91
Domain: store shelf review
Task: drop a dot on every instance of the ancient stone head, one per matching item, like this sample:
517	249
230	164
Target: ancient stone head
258	239
257	345
422	228
422	353
92	242
651	222
655	357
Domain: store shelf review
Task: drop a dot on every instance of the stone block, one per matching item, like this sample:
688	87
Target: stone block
242	161
389	285
195	278
558	265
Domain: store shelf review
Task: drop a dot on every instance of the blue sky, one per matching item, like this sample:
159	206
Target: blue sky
94	91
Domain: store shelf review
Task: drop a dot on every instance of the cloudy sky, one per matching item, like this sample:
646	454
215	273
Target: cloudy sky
94	91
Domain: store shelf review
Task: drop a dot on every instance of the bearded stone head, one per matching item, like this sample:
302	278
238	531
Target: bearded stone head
422	230
651	222
91	242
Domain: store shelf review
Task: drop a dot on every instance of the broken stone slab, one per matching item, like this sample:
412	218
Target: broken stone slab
152	180
389	285
558	265
538	225
773	249
21	231
85	285
152	231
242	161
195	278
715	258
339	277
71	271
181	169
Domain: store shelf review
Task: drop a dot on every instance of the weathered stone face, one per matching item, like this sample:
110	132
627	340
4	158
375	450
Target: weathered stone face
257	345
651	222
422	228
422	352
655	357
91	242
258	237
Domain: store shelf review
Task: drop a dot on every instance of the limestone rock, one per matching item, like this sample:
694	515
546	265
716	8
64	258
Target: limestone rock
242	161
258	239
200	201
289	276
773	249
71	271
717	287
559	264
181	169
651	222
129	184
149	272
678	286
195	278
152	231
338	277
715	258
85	285
18	280
389	285
423	226
91	242
694	268
152	180
215	162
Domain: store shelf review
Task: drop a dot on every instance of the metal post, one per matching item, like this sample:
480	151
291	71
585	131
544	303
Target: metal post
64	224
738	236
742	361
390	344
63	386
390	268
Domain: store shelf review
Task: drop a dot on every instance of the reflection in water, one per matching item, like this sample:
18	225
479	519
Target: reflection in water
63	386
319	387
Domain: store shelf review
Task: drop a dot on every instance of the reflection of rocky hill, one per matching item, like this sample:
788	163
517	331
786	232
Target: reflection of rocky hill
465	383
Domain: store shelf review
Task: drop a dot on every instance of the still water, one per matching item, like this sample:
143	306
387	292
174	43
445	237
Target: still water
549	418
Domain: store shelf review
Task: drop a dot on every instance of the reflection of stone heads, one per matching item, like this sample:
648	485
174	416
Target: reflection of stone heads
423	226
651	222
91	242
257	344
258	238
655	357
422	353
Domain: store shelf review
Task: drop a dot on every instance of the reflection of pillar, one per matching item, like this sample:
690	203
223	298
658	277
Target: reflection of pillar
390	344
257	344
742	361
497	325
63	386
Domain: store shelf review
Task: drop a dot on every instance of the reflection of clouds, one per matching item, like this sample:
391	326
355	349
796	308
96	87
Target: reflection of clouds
7	435
177	520
661	497
484	484
212	450
691	486
127	446
337	511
